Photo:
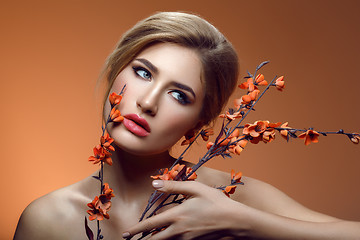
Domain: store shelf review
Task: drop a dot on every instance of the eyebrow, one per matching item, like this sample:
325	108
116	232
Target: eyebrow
148	64
184	87
156	70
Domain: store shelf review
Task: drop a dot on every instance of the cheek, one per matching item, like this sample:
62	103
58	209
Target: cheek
117	86
179	122
120	82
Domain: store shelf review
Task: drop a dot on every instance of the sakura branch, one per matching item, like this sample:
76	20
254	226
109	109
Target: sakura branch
265	131
221	147
231	140
101	204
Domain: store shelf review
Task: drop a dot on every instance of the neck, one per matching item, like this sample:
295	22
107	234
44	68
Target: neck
130	174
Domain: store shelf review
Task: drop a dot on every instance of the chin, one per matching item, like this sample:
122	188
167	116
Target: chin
143	151
139	146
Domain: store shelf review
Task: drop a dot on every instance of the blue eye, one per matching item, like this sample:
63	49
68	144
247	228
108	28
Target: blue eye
142	72
180	97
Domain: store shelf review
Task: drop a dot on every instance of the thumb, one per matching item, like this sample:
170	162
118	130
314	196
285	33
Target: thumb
189	188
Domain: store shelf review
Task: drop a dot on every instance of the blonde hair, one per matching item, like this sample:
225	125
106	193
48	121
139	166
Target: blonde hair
218	57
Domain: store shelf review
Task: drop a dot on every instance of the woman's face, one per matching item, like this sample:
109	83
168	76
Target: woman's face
163	91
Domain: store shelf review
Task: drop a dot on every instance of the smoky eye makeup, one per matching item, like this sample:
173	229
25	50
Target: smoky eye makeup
180	93
142	72
180	96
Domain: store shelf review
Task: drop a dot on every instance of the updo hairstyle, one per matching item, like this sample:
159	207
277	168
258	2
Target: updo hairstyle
218	57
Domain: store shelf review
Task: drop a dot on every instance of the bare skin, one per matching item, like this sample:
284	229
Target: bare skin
60	214
170	99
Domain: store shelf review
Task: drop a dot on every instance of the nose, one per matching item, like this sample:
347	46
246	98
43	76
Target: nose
148	101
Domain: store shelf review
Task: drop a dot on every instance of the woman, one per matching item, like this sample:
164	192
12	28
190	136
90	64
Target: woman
179	72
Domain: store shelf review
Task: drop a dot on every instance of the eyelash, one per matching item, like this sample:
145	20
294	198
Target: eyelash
138	69
183	100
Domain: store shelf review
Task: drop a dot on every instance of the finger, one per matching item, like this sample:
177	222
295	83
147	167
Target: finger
159	220
167	233
190	188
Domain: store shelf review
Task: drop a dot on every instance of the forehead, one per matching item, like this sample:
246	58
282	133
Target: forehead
176	63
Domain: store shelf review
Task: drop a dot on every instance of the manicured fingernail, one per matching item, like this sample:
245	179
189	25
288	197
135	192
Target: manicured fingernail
157	184
126	234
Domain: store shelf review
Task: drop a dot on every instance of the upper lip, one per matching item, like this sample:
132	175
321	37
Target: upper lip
138	120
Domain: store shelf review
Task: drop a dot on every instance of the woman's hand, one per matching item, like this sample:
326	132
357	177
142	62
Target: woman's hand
206	214
209	214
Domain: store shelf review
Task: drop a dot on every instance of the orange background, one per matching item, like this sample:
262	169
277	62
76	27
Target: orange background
53	51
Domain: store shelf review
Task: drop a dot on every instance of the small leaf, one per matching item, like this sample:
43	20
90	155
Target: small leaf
224	155
96	177
123	89
89	233
231	111
250	75
220	134
292	133
324	134
262	64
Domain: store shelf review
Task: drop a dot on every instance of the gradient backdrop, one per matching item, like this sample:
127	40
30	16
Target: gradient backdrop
53	51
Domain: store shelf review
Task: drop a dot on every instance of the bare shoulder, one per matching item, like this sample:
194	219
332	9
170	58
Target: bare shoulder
262	196
213	177
55	215
253	192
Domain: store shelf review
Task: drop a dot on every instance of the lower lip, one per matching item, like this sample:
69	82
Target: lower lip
134	128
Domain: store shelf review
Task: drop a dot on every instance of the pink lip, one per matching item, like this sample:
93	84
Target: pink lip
136	124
